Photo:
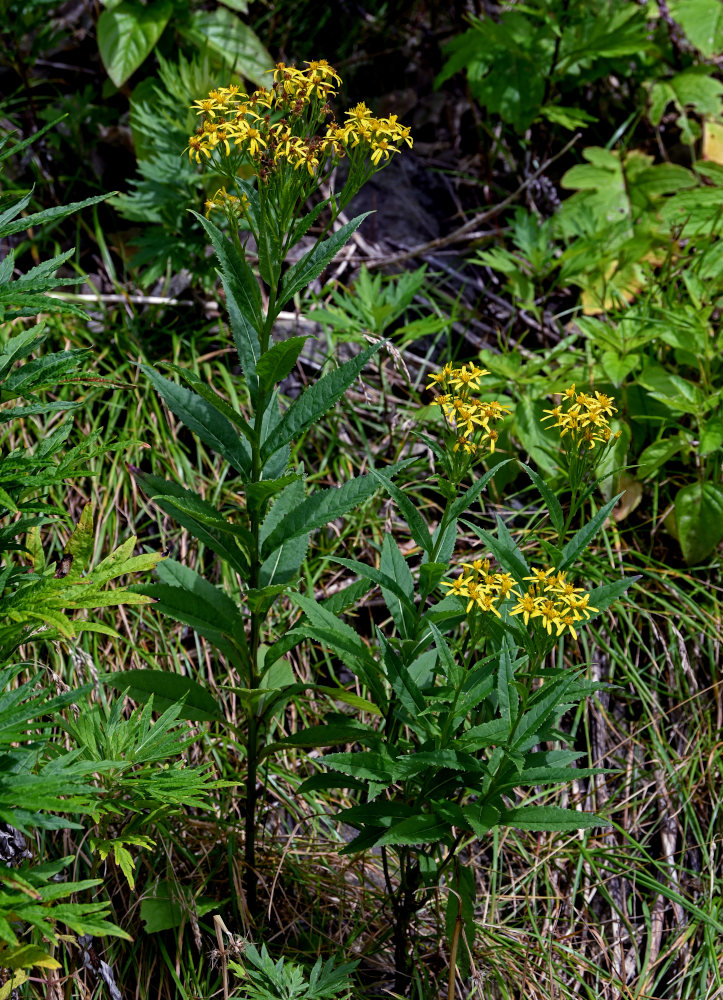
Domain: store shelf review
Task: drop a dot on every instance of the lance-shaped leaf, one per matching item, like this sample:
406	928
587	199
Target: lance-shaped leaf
580	541
205	421
203	607
199	517
394	566
415	522
218	402
323	506
551	502
313	263
314	402
277	362
243	300
336	635
503	548
549	818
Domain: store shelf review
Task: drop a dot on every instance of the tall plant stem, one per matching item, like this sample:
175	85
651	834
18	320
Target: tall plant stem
253	747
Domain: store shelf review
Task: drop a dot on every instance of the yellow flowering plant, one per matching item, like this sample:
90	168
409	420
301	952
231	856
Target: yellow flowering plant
583	420
468	680
267	154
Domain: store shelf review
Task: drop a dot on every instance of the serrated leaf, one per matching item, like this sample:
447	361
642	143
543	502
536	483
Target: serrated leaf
314	402
303	272
549	818
204	420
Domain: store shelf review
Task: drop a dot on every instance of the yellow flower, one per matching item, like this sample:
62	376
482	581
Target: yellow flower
526	606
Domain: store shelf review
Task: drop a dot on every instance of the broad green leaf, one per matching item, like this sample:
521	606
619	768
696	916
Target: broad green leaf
676	392
552	699
38	219
503	548
396	592
236	43
369	764
197	515
303	272
581	539
314	402
404	687
702	22
215	400
487	734
331	735
128	33
277	362
203	617
603	597
482	817
328	628
657	454
618	366
549	818
699	519
394	565
167	689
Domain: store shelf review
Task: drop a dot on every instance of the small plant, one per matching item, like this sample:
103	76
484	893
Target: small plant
264	979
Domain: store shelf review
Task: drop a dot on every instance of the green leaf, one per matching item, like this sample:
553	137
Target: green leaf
549	818
128	33
603	597
314	402
581	539
235	42
167	689
317	510
303	272
551	502
507	696
278	361
394	565
702	22
503	548
699	519
676	392
331	735
657	454
243	300
464	502
415	522
204	420
424	829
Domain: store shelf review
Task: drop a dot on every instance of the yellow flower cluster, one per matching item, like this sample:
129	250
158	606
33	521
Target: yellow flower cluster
583	417
469	418
551	598
555	601
277	126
